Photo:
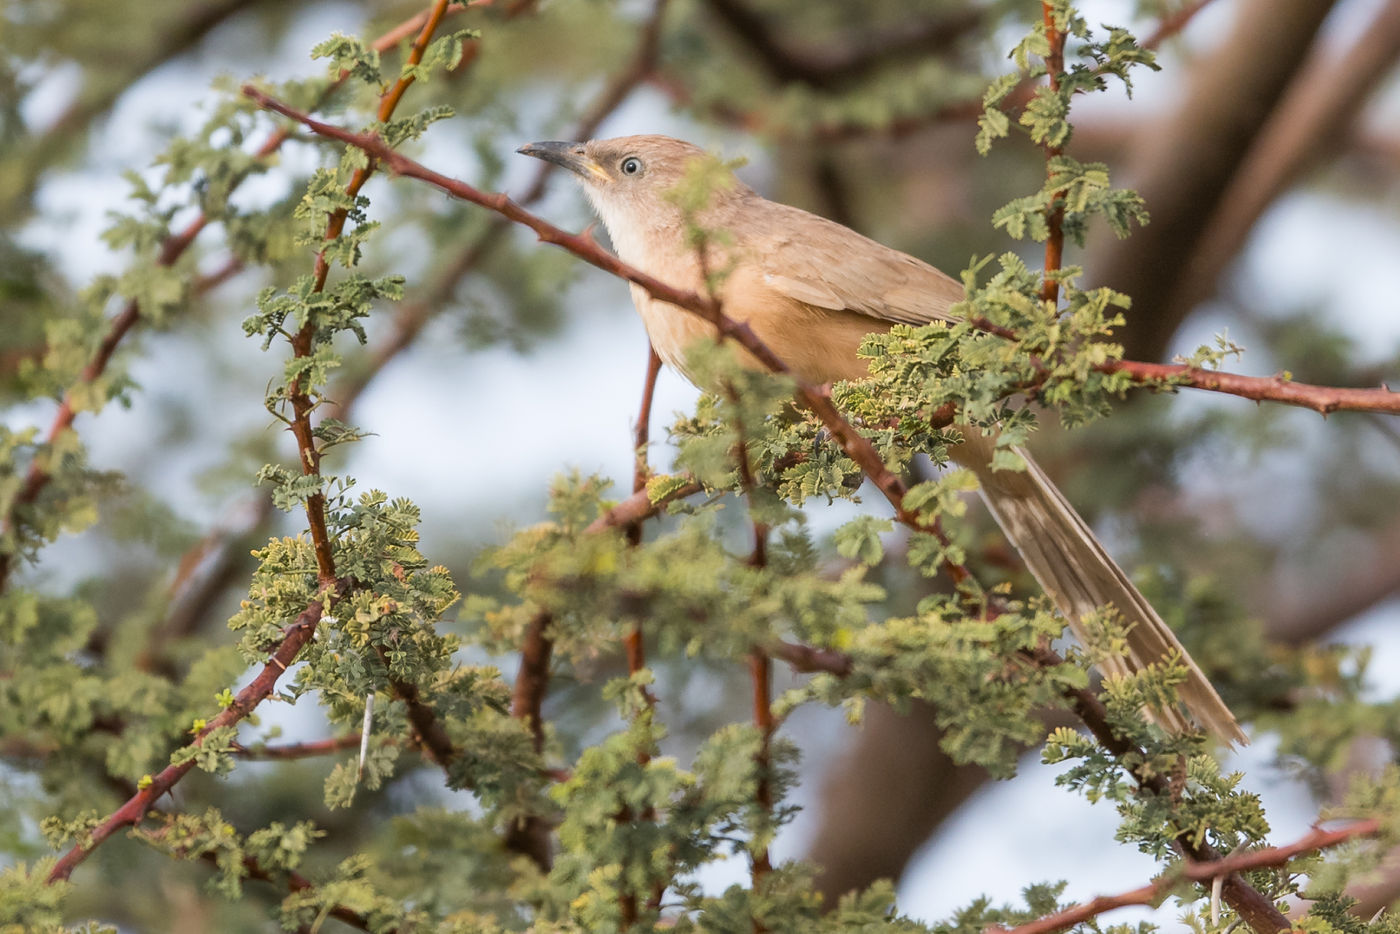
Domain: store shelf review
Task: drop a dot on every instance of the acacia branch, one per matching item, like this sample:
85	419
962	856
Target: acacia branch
1055	238
632	642
761	677
530	834
294	638
1154	892
303	341
1322	399
307	750
429	729
639	507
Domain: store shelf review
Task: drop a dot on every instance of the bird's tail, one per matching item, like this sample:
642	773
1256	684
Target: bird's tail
1080	576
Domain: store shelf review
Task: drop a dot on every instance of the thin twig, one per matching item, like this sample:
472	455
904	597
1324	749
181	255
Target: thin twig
307	750
1212	871
1321	399
1055	240
632	642
530	835
639	506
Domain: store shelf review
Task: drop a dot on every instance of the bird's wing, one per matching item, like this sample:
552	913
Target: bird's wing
818	262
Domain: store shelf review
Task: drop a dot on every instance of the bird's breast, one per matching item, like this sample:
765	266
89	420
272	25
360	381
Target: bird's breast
818	345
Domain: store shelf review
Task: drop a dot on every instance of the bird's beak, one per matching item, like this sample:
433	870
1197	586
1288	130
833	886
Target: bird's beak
571	156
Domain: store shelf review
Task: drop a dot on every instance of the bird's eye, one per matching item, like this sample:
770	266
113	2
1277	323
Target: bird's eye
631	165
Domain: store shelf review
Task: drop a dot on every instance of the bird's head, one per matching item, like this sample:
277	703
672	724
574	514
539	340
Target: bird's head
638	184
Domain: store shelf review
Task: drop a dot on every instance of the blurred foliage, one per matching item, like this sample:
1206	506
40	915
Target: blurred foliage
113	592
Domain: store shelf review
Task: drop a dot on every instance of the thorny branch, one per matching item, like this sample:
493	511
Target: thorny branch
530	835
295	637
1154	892
307	750
759	663
1055	240
1321	399
301	632
632	643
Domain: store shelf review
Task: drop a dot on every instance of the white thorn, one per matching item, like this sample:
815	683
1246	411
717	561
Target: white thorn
364	735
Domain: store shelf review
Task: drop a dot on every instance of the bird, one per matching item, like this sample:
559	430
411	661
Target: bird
811	290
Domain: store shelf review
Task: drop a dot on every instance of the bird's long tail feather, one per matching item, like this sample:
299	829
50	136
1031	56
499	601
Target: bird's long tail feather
1076	571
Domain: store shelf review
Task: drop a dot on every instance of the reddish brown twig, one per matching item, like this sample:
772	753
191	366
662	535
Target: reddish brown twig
632	642
530	835
1322	399
134	810
1255	908
1055	242
761	676
1154	892
639	507
307	750
760	673
309	454
430	731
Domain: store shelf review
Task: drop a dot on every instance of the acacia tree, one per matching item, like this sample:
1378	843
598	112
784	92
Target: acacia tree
491	739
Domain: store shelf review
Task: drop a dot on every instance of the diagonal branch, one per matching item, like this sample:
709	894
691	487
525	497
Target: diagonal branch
1154	892
1322	399
294	638
307	750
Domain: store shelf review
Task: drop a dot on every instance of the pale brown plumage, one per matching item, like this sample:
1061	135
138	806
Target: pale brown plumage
811	289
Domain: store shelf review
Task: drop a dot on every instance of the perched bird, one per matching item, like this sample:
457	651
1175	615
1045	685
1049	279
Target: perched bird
811	290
